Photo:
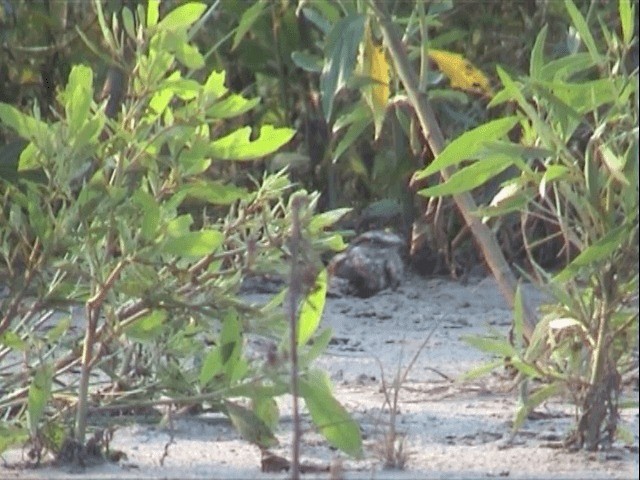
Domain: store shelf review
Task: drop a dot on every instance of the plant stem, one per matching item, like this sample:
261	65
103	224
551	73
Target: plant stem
431	130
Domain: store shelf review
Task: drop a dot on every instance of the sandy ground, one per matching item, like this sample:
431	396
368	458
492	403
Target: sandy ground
451	429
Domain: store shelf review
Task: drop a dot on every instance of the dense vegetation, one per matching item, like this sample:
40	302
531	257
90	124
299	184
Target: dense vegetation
154	156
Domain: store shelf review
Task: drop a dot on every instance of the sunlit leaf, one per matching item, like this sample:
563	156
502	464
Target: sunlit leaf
461	72
182	17
238	145
374	65
331	418
193	244
312	308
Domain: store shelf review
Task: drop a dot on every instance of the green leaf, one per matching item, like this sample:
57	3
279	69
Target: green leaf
147	327
593	254
232	106
627	18
312	308
470	177
353	133
247	20
323	220
78	96
39	394
238	146
331	418
468	144
216	193
483	370
60	328
307	62
211	366
26	126
152	13
565	67
189	56
182	17
537	54
128	22
250	426
266	408
581	26
150	213
193	244
534	400
214	86
491	345
341	51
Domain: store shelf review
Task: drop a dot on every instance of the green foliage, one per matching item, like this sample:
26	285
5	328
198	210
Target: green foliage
584	114
148	222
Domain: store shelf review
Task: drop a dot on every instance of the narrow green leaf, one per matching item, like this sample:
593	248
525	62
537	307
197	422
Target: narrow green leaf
581	26
12	436
483	370
353	133
78	96
147	327
341	50
39	394
247	20
594	253
331	418
312	308
238	146
470	177
537	54
128	22
468	144
150	213
534	400
13	341
323	220
491	345
216	193
193	244
211	366
182	17
627	18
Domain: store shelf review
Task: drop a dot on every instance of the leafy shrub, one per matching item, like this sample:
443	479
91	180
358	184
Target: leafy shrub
147	222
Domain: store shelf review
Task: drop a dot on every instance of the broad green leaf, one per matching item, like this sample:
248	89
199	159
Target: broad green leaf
78	96
581	26
537	55
39	394
214	86
193	244
470	177
312	308
468	144
182	17
238	146
247	20
232	106
594	253
26	126
250	426
491	345
341	50
307	62
331	418
318	19
189	56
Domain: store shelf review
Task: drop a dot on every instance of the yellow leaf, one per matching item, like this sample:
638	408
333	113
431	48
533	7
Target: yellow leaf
374	65
461	72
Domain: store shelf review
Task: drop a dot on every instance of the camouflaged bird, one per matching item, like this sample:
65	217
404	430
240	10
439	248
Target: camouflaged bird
373	261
